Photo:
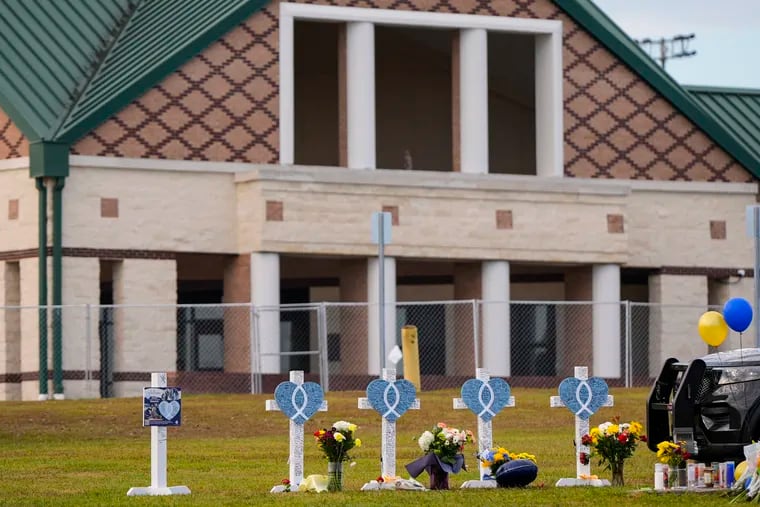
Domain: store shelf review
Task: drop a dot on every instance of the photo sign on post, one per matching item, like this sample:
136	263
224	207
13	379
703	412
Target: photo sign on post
161	408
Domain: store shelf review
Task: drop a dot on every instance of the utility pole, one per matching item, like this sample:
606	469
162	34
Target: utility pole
666	49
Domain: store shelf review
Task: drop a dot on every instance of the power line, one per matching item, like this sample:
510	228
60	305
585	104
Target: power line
675	47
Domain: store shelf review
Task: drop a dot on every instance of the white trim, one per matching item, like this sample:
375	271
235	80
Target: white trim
12	164
414	18
153	164
548	98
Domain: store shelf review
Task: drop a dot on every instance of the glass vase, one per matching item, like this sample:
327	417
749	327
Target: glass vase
439	479
335	476
617	473
678	477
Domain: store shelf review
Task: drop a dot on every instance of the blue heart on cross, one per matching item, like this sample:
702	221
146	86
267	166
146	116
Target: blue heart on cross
485	399
299	401
391	399
583	397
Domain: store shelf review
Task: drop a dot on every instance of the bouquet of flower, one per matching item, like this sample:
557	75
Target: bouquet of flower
495	457
337	441
445	442
674	454
613	442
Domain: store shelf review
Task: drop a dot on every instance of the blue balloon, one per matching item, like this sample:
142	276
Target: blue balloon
737	312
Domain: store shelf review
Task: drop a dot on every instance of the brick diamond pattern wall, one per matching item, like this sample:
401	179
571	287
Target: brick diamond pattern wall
223	105
13	144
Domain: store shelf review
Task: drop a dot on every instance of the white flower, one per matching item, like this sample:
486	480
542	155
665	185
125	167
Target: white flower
425	441
624	427
603	427
342	426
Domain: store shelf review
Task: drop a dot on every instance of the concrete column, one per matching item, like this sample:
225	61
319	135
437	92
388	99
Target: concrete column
354	320
145	338
81	342
606	320
30	345
265	293
678	301
360	95
10	331
473	100
373	321
237	336
495	334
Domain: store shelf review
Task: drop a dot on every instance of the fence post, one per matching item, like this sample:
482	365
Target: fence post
253	332
88	349
324	357
628	345
476	330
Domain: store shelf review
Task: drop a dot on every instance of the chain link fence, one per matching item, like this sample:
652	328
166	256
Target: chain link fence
110	350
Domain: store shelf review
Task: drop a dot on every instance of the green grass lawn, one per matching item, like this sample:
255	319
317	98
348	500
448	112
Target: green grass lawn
230	451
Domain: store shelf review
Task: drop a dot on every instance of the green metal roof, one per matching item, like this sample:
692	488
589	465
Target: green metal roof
737	109
68	65
598	24
48	48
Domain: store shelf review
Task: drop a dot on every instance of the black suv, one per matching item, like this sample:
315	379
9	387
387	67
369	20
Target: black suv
711	403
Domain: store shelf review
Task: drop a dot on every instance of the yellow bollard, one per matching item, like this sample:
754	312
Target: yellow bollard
411	350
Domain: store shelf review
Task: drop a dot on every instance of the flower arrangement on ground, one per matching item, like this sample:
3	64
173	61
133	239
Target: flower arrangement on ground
493	458
674	454
337	441
613	442
443	448
335	444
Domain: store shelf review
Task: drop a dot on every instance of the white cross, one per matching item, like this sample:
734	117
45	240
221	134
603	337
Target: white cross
485	435
581	425
388	450
295	458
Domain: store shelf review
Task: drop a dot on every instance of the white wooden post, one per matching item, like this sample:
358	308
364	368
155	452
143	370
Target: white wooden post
295	456
581	428
388	445
158	435
485	434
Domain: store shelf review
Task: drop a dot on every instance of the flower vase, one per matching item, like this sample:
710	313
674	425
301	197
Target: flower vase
678	477
439	478
617	473
335	476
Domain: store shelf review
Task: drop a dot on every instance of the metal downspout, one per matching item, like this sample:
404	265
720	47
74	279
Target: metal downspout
42	281
60	182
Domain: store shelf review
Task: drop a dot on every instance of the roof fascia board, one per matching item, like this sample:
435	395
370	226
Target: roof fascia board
172	62
658	79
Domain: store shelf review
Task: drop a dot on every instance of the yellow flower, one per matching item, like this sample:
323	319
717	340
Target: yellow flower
339	437
358	442
498	456
594	432
636	428
612	429
352	428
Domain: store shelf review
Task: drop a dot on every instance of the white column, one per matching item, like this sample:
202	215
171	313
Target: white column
473	100
605	294
549	107
360	95
373	325
496	332
265	293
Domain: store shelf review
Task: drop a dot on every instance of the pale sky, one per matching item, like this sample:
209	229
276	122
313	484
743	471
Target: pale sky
727	36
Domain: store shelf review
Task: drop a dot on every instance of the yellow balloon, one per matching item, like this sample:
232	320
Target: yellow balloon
740	468
713	328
